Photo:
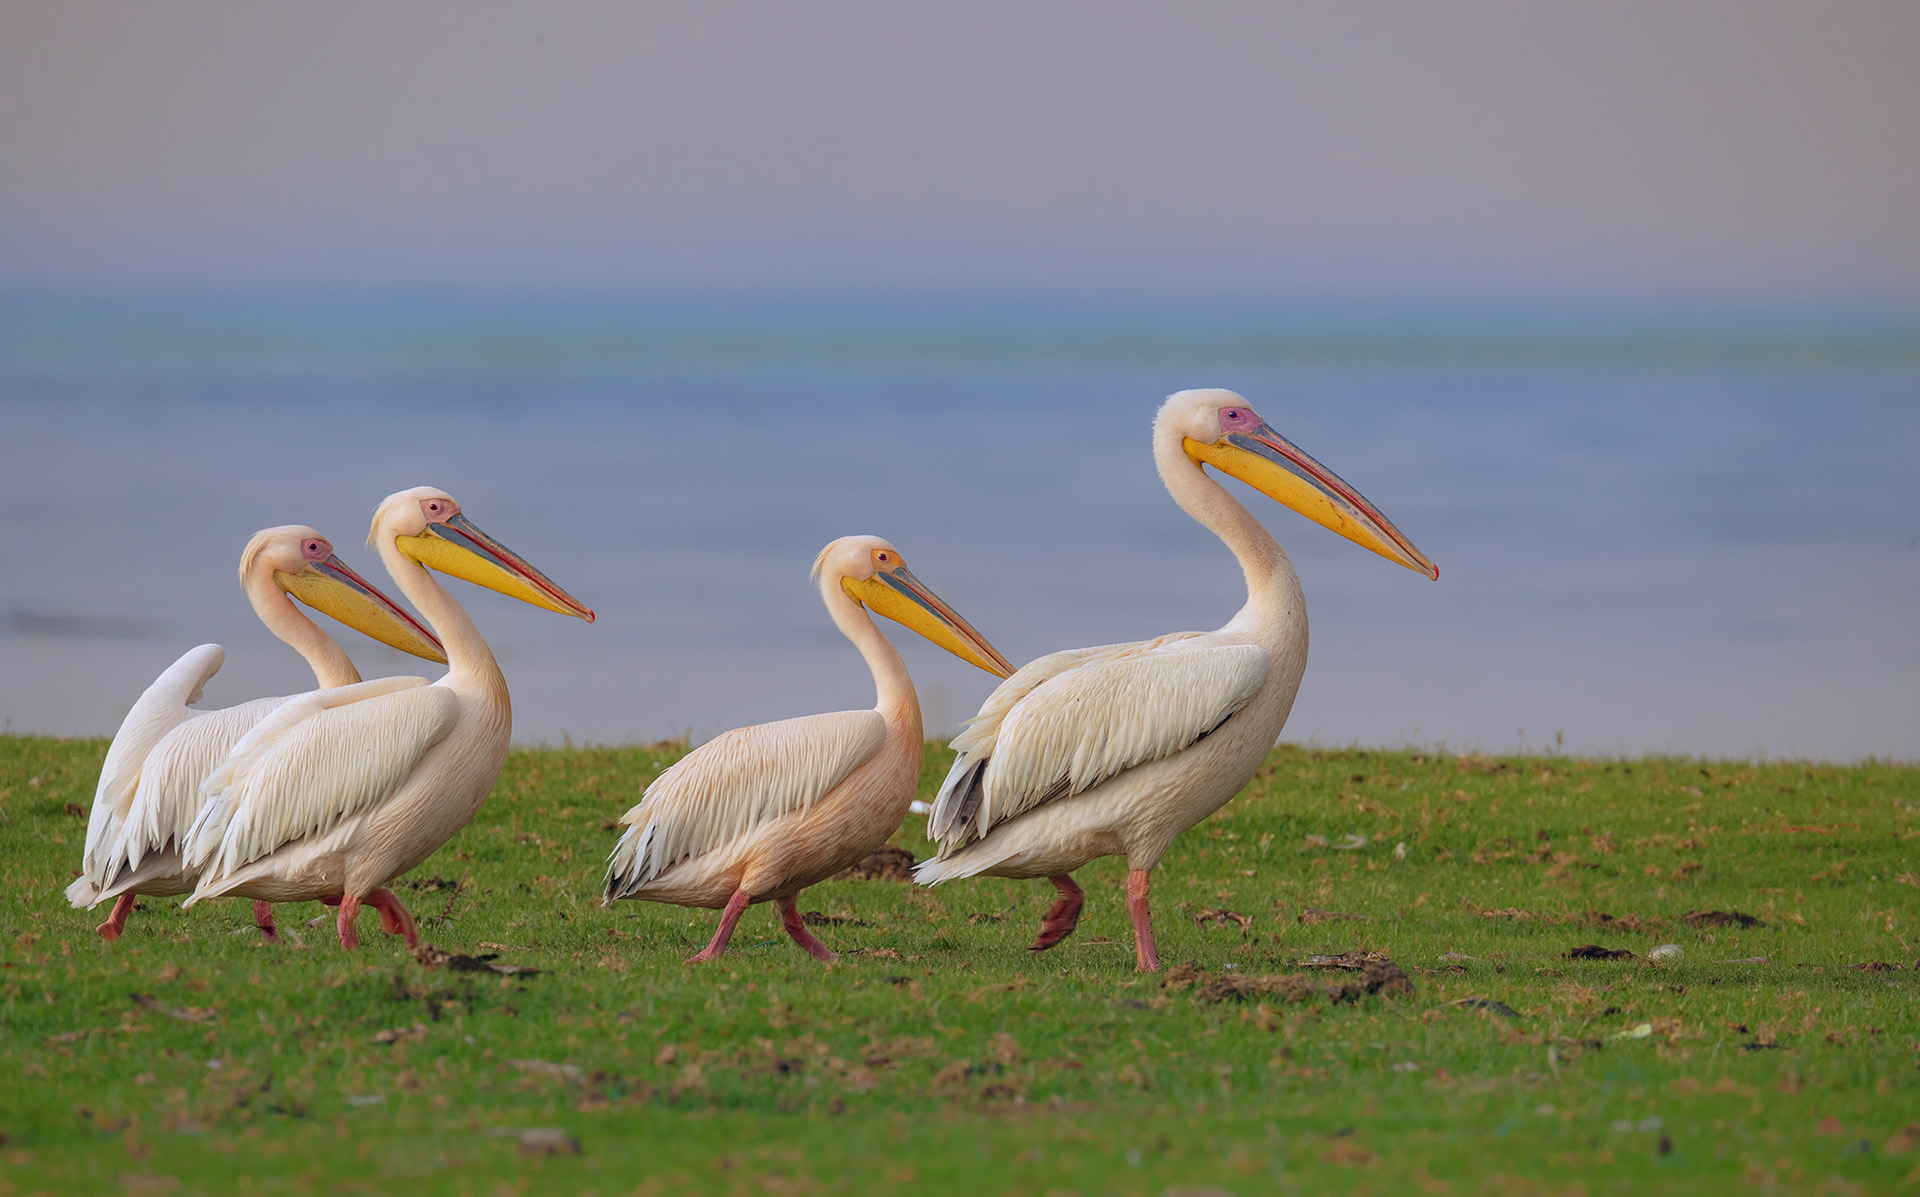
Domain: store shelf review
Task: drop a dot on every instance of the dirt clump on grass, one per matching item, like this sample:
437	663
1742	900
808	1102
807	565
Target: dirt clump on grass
1487	1004
1221	918
432	957
1351	961
1377	975
888	864
814	918
1594	951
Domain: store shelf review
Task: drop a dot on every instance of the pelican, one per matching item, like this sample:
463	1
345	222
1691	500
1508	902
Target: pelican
1114	751
148	791
340	791
760	813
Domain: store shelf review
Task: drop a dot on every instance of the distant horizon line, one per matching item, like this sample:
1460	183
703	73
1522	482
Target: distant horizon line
429	332
1436	750
1464	310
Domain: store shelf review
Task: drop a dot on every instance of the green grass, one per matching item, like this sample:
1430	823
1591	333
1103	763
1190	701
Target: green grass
942	1057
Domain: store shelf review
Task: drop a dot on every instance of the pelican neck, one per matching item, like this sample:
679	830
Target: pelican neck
329	662
467	653
893	688
1274	597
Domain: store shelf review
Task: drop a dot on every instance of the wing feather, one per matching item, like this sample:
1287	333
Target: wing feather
960	793
320	758
162	707
167	796
735	783
1088	721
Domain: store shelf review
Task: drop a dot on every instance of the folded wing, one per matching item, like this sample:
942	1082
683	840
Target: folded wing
168	794
1085	721
734	784
975	743
321	758
163	707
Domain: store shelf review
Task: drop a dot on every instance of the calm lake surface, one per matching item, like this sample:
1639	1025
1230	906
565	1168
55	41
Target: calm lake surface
1643	545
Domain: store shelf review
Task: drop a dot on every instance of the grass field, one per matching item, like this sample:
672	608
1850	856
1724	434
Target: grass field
939	1056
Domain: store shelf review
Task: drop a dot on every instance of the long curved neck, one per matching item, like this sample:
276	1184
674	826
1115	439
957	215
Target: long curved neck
894	691
468	657
1273	588
324	655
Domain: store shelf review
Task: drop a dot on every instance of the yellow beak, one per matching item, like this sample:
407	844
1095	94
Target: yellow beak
1274	466
903	598
331	587
455	546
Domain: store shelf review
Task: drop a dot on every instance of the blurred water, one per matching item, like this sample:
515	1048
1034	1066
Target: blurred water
1640	550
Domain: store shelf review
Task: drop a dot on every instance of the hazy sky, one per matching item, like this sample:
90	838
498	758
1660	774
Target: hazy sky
1735	152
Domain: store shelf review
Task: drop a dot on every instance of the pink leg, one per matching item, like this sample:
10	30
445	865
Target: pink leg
736	906
263	919
394	916
1146	956
790	918
1063	916
349	935
117	920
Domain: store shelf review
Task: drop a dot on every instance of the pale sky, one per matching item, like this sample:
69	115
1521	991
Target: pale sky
1738	152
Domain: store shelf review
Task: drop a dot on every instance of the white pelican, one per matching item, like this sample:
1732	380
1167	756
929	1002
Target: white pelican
149	784
1116	750
760	813
340	791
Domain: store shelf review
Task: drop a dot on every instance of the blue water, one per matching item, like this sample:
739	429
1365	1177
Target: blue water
1644	544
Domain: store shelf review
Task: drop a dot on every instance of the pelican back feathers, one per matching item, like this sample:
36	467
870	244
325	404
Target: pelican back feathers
168	797
734	784
1085	717
161	708
319	759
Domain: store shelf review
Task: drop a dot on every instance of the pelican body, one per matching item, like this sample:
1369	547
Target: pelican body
1114	751
761	813
340	791
148	793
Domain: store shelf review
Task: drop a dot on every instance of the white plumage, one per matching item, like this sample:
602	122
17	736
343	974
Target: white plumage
149	789
736	783
1117	750
339	791
1088	718
316	761
168	797
162	707
761	813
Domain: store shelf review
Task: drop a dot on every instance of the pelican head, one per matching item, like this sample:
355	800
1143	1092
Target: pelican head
871	573
301	562
426	525
1219	429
